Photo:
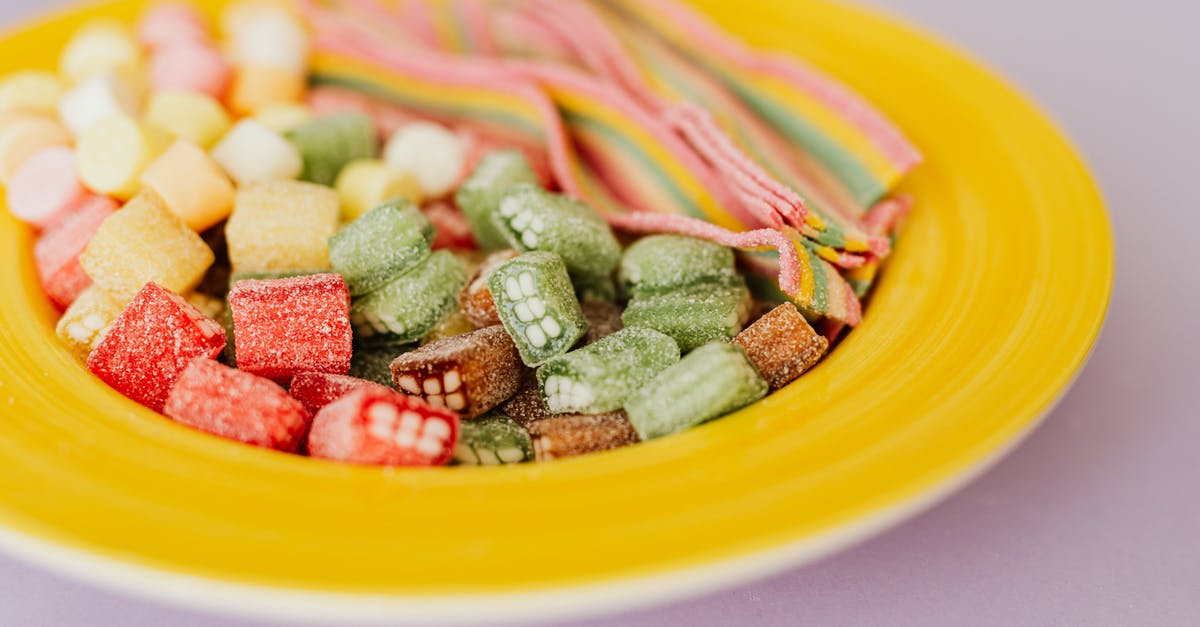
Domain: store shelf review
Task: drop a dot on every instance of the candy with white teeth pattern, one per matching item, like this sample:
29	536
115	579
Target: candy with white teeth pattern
709	382
469	374
328	143
782	345
492	440
374	363
527	406
412	304
479	195
599	377
379	246
603	318
578	434
536	303
661	263
533	219
475	300
375	426
693	316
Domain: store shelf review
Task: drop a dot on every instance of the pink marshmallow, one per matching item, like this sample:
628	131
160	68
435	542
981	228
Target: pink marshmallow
190	66
45	186
167	24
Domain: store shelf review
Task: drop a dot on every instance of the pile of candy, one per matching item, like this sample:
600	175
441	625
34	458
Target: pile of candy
354	284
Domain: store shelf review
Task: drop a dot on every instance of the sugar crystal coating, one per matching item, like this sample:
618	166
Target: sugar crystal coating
382	427
660	263
479	195
475	299
603	318
531	218
527	406
469	374
315	390
579	434
237	405
412	304
782	345
281	225
379	246
599	377
327	144
85	322
692	316
492	440
536	303
57	251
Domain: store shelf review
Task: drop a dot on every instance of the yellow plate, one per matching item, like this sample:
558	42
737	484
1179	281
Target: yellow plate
987	310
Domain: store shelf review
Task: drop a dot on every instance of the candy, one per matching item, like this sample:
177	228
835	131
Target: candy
492	440
480	194
527	406
281	225
372	426
195	117
450	326
381	245
57	251
692	316
190	66
365	183
661	263
469	374
267	36
151	343
429	152
475	299
256	87
453	232
537	305
229	355
315	390
113	152
24	136
328	143
374	363
100	46
237	405
282	117
709	382
165	24
533	219
412	304
99	97
85	322
287	326
782	345
599	377
32	91
253	153
211	306
145	242
603	318
193	186
568	436
45	186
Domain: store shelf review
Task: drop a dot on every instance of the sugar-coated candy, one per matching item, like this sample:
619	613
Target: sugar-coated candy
469	374
599	377
315	390
45	186
453	232
195	117
374	363
479	195
256	87
782	345
531	218
412	304
57	251
603	318
168	23
692	316
85	322
144	242
660	263
281	225
151	342
366	183
97	98
190	66
23	136
100	46
450	326
287	326
373	426
266	34
429	152
492	440
252	153
527	406
376	248
237	405
709	382
475	300
113	152
537	305
327	144
193	186
32	91
229	355
595	288
579	434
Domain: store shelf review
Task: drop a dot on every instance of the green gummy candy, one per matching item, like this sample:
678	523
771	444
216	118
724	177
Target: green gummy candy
692	316
660	263
412	304
328	143
491	440
480	194
710	382
533	219
598	378
536	303
374	363
380	245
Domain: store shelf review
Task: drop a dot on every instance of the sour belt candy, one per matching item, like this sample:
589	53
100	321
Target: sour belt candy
469	374
372	426
479	195
599	377
782	345
281	225
537	305
693	316
492	440
412	304
568	436
380	246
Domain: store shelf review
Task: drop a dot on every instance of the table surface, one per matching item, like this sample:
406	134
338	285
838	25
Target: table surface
1094	519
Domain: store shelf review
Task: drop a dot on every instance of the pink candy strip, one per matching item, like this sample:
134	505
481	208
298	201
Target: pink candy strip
885	214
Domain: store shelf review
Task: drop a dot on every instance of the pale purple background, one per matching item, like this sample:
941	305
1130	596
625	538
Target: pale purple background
1096	518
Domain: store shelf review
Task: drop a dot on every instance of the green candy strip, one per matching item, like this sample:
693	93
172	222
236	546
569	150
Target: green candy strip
328	143
661	263
536	303
380	245
411	305
480	194
693	316
491	440
599	377
531	218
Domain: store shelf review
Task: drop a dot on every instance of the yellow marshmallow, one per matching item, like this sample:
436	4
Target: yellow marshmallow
281	225
113	152
193	116
193	186
34	91
366	183
23	136
257	87
85	322
100	46
145	242
284	116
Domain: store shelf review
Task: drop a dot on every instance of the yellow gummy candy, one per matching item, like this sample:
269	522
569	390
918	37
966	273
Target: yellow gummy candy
22	136
193	186
84	323
113	152
99	46
281	225
193	116
366	183
34	91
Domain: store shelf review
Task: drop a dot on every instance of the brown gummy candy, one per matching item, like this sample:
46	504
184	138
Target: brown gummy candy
782	345
475	300
578	434
526	406
469	374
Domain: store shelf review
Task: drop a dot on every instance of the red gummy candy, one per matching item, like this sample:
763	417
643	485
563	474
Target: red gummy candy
57	251
217	399
283	327
453	231
318	389
151	342
383	427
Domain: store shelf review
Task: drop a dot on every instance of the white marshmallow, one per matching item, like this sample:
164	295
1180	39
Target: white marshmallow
270	39
251	152
431	153
99	97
